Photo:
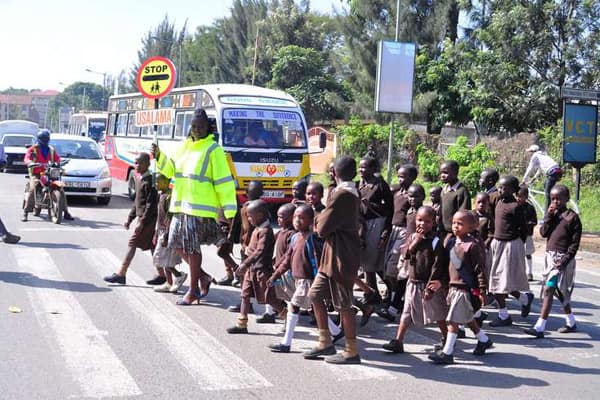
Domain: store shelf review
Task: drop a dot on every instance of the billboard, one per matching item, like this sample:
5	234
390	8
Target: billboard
580	128
395	75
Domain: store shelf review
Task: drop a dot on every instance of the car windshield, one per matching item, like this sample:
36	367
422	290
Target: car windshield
76	149
18	141
263	128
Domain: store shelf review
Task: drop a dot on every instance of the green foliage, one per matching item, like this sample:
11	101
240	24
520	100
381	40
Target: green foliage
429	163
472	160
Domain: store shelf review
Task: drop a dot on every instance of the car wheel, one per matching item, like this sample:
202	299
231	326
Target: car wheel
131	185
103	201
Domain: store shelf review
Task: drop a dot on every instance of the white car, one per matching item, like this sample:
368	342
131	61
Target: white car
14	146
86	173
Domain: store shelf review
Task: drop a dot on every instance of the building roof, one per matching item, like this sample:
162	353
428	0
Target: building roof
45	93
18	99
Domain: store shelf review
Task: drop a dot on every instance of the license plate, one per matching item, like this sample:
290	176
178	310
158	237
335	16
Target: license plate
18	163
78	184
274	194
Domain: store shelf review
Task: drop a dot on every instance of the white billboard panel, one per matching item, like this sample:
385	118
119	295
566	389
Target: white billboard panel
395	75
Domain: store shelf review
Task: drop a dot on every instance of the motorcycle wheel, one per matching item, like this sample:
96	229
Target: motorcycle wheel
56	206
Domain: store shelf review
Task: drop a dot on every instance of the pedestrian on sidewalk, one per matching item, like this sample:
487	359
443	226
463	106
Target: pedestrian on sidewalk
562	229
6	236
144	208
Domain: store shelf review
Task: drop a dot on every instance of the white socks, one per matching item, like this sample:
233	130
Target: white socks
540	325
450	341
269	309
333	328
570	318
482	337
503	313
292	320
529	262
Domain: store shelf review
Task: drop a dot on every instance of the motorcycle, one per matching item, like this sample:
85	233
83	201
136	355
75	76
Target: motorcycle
49	193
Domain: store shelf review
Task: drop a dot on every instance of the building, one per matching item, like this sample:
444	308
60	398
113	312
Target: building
33	106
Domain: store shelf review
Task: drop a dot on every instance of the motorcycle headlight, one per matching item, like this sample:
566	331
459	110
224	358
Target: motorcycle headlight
54	173
105	173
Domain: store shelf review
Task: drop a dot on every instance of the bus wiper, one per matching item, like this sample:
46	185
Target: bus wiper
239	150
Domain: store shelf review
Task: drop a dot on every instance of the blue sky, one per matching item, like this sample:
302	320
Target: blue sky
44	42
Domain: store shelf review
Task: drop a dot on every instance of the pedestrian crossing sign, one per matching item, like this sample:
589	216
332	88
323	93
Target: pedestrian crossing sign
156	77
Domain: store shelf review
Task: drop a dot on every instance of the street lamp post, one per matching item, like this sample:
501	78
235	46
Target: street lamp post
103	84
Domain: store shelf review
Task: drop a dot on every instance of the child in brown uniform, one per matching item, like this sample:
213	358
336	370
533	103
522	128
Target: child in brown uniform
467	285
487	181
337	225
507	272
435	196
299	192
531	218
427	276
562	228
484	231
257	267
455	195
144	209
314	196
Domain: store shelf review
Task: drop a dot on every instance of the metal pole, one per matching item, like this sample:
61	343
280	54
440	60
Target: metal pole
255	55
391	138
577	184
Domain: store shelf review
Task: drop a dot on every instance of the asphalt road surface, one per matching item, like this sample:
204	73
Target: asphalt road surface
77	337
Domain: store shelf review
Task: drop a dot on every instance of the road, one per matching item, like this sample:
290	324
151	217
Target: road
79	338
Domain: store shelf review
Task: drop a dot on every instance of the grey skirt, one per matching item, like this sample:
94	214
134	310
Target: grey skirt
188	233
371	257
460	310
507	272
420	311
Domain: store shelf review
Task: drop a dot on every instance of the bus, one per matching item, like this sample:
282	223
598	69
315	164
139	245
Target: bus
262	131
90	124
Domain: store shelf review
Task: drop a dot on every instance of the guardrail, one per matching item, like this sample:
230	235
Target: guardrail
540	209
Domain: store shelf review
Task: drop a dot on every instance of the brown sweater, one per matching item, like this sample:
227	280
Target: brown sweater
297	259
563	232
467	263
427	262
401	207
452	201
145	206
376	202
509	221
246	229
485	228
530	217
259	253
282	244
338	227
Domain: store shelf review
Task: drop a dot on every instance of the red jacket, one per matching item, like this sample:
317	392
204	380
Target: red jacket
34	155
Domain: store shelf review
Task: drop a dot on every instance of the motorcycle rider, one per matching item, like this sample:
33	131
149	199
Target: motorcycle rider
44	154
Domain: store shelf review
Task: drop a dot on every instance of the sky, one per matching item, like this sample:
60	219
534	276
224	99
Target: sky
49	44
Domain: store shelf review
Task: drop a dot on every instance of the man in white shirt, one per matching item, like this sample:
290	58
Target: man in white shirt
541	162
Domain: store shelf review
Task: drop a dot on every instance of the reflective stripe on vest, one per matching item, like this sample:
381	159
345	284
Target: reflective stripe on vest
201	177
199	207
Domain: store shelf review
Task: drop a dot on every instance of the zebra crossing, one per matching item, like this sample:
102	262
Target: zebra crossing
95	365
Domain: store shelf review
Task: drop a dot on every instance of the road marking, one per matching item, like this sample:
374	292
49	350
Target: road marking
88	357
587	271
208	361
72	229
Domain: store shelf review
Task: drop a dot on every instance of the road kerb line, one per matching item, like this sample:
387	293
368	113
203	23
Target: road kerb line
208	361
88	357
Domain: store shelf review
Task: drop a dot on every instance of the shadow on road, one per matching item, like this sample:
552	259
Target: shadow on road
27	279
45	245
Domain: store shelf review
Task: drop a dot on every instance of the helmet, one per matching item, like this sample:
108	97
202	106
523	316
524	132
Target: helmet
43	136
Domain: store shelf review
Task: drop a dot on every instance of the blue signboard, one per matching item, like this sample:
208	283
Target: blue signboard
580	123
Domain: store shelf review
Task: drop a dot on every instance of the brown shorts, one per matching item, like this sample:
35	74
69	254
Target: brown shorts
324	288
143	239
255	285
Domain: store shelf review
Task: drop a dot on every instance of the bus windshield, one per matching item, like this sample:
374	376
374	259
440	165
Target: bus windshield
97	128
263	128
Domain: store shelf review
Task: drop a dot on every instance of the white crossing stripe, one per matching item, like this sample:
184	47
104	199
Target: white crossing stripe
208	361
88	357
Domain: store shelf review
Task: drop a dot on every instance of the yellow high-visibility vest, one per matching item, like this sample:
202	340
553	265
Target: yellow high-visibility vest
202	181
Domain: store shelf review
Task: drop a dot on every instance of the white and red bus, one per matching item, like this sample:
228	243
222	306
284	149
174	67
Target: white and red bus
262	131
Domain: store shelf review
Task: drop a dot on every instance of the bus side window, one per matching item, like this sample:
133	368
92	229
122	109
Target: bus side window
121	124
179	124
132	130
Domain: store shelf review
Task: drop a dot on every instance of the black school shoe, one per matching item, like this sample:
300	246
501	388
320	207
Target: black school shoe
266	319
526	309
225	281
114	278
385	314
9	238
482	347
279	348
501	322
534	332
340	359
462	334
336	338
316	353
157	280
439	346
237	329
439	357
394	345
567	329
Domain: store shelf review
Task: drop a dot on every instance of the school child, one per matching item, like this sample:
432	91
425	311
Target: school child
467	286
435	196
455	195
257	267
427	278
484	231
225	249
562	229
406	176
507	272
337	225
6	236
254	191
144	209
487	181
299	192
531	218
314	196
416	197
165	257
331	175
376	210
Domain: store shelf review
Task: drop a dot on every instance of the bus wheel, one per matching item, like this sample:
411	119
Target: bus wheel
131	185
